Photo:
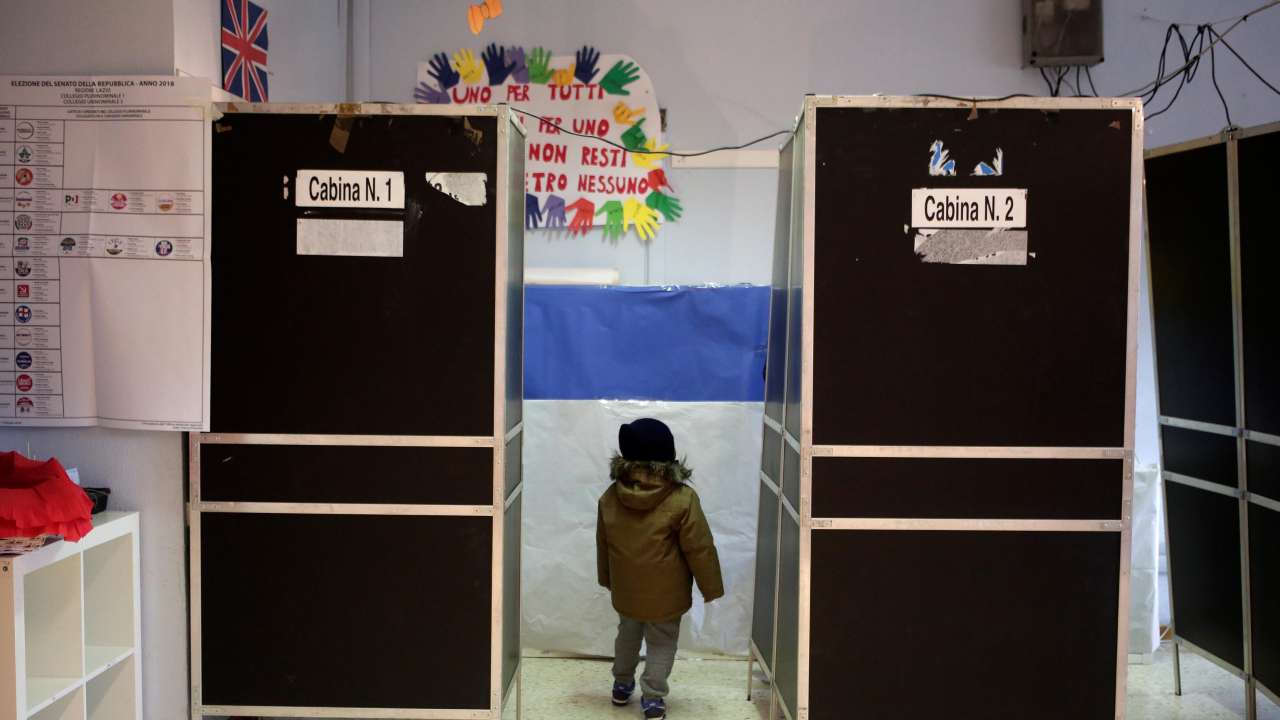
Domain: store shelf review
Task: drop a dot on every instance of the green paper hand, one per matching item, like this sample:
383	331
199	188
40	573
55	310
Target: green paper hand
613	219
634	137
665	204
539	66
619	77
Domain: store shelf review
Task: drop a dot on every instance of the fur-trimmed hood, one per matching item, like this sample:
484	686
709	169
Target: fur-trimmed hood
643	484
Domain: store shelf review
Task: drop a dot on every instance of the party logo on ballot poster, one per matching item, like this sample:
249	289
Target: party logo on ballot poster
593	150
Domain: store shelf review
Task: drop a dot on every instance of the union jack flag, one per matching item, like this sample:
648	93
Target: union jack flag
244	50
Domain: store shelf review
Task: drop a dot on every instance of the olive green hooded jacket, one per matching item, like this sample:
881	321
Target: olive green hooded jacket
652	541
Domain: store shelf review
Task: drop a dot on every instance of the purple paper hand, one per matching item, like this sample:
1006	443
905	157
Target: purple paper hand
585	60
520	69
532	215
425	93
443	72
555	211
495	63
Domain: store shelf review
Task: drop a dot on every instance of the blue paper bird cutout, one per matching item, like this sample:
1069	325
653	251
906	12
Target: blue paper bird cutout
939	162
995	168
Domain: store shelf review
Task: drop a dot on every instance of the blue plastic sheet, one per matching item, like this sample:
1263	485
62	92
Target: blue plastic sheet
683	344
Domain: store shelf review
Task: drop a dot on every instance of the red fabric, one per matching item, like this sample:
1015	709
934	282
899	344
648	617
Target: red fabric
37	498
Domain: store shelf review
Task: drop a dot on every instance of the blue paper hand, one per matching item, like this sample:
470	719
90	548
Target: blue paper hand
520	69
585	62
555	211
495	63
425	93
443	72
532	215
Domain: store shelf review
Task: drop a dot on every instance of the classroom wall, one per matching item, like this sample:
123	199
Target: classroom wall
60	37
731	71
195	38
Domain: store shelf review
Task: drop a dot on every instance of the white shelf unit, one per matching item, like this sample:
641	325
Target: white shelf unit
71	627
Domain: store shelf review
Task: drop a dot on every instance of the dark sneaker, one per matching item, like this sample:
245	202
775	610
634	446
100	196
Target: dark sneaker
654	709
622	693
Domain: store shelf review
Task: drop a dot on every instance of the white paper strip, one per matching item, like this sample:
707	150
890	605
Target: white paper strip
467	188
351	238
570	276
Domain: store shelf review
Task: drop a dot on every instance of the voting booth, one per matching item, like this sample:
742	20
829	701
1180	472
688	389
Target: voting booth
1213	253
946	477
355	508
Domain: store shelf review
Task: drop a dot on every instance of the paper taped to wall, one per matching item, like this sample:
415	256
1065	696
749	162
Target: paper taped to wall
350	238
972	247
104	252
467	188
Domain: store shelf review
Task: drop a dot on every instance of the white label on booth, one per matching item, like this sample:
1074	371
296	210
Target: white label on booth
350	238
350	189
968	208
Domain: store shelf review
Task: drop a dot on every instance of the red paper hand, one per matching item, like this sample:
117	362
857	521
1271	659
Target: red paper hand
584	215
658	180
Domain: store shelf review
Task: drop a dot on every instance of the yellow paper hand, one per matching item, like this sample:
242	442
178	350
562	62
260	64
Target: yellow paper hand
464	61
644	217
653	157
625	115
564	78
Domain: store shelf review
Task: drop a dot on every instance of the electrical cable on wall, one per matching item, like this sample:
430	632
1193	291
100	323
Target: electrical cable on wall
1213	75
1218	37
1244	62
1219	21
1189	68
667	153
1088	73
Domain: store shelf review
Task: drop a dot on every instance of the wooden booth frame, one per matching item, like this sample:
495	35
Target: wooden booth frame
802	229
1229	138
509	226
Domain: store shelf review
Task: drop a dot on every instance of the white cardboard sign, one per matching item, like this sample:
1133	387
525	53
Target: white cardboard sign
968	208
350	189
569	180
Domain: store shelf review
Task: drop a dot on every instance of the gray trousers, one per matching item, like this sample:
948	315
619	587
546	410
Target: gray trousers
660	654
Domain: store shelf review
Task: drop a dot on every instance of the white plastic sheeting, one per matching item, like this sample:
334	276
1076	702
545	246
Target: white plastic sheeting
567	446
570	276
1144	574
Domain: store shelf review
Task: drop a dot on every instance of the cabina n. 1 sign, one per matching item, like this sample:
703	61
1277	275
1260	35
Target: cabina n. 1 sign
570	182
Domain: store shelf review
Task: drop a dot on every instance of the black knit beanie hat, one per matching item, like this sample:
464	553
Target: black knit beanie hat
647	440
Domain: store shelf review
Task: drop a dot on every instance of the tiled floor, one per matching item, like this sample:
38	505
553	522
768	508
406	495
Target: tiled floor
1208	691
716	690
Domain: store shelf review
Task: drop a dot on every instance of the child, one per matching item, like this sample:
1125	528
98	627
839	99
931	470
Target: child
652	540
